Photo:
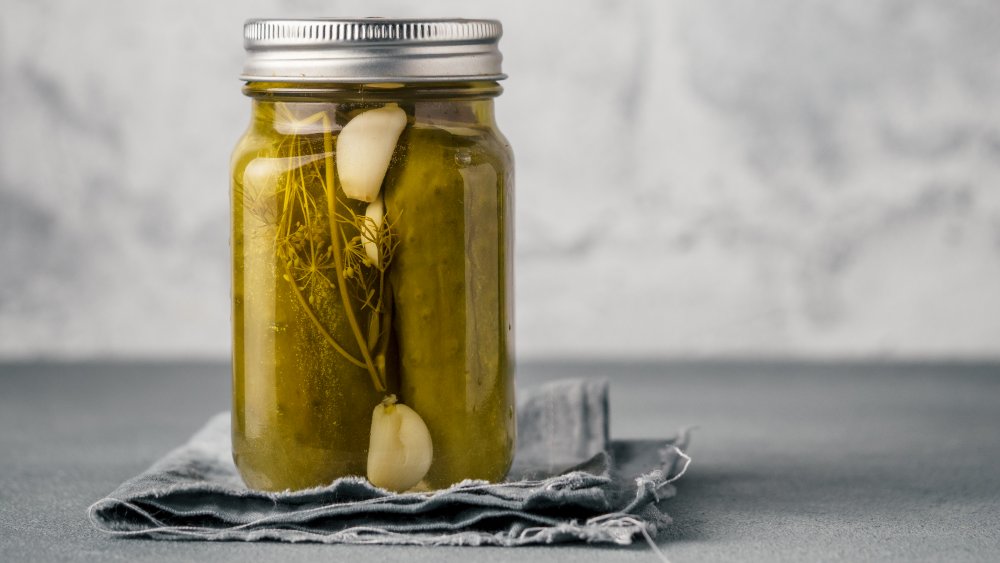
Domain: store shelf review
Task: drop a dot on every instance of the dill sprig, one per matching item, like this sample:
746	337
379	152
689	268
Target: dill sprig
319	242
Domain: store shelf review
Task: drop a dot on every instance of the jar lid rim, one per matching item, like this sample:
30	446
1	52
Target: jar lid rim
372	50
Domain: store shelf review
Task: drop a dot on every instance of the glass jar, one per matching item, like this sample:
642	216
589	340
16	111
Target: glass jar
372	256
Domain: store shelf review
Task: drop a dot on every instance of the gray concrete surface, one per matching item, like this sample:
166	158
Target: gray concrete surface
793	462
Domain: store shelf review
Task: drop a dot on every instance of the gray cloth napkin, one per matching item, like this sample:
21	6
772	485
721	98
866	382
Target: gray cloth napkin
568	483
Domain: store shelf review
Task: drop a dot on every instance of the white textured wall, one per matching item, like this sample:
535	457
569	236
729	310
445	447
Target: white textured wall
694	178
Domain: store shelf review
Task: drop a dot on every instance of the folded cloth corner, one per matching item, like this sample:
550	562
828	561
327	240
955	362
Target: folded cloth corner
569	482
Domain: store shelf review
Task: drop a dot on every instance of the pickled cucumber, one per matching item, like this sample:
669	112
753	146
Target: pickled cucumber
448	284
301	410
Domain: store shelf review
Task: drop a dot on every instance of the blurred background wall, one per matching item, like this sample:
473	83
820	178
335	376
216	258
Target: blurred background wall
702	178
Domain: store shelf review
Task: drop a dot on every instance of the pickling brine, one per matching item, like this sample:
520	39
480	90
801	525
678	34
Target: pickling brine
372	286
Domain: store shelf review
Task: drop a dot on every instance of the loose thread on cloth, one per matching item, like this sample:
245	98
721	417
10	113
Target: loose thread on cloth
645	532
643	527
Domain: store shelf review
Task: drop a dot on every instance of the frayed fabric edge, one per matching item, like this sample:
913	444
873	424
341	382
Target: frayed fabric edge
618	527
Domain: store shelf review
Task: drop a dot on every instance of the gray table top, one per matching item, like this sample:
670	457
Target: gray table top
791	461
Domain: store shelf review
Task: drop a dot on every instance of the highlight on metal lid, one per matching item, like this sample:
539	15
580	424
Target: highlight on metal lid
365	50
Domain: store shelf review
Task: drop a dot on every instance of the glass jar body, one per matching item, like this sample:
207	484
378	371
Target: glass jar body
336	308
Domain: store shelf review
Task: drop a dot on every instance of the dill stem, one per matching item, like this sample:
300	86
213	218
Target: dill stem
383	342
319	326
338	261
285	223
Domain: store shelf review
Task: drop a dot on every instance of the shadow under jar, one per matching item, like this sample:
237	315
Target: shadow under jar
372	256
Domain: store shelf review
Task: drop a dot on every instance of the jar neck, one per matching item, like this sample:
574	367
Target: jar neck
290	106
372	92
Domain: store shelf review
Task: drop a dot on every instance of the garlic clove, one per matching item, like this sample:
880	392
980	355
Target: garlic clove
375	212
400	449
364	149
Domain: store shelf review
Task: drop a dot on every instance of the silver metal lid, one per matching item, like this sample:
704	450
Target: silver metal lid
364	50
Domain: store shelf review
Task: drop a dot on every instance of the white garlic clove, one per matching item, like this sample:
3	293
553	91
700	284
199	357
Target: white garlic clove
375	212
364	149
400	450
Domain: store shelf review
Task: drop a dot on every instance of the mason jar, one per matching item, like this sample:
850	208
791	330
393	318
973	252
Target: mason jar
372	256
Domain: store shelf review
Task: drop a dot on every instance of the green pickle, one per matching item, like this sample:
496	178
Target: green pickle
447	280
340	313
